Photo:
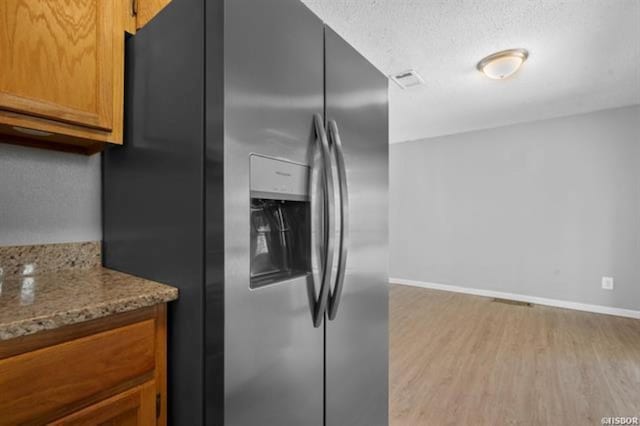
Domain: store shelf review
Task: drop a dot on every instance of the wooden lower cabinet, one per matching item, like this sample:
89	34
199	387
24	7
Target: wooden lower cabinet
110	371
136	406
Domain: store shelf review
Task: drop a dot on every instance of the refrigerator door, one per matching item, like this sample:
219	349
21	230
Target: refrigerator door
273	86
357	337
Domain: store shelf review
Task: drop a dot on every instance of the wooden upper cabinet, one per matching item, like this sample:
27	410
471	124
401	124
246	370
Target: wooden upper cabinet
62	70
147	9
58	60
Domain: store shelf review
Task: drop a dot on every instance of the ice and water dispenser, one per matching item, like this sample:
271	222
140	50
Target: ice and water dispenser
280	221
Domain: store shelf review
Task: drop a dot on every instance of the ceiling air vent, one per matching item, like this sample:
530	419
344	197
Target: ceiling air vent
407	79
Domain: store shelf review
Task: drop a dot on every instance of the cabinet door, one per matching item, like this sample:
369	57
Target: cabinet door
135	407
57	60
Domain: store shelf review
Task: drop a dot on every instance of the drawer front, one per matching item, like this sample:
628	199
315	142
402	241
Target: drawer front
133	407
40	384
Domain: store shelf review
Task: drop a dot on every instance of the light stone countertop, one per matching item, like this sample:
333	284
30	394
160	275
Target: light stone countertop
57	296
44	302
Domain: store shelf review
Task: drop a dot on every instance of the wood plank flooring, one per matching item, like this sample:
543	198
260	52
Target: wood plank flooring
466	360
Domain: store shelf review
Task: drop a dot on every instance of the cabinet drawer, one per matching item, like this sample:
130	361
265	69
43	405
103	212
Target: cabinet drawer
133	407
45	383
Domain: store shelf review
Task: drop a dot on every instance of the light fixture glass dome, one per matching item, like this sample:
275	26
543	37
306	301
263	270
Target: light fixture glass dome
503	64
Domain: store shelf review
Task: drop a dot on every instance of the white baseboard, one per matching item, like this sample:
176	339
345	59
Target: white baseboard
629	313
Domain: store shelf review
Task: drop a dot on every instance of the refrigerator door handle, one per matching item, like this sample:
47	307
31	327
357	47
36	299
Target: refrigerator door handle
328	235
336	147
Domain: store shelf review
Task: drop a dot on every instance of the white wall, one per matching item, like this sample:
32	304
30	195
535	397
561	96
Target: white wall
541	209
48	196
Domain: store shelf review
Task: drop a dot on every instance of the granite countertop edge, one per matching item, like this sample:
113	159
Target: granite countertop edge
160	293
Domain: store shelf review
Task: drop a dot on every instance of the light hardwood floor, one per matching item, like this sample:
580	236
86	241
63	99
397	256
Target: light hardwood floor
466	360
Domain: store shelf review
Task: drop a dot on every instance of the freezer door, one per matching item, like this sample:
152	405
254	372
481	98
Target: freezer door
273	87
357	338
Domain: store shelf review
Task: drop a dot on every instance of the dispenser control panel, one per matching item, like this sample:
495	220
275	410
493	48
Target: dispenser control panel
277	179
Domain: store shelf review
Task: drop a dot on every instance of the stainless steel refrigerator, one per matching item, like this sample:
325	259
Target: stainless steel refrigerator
254	178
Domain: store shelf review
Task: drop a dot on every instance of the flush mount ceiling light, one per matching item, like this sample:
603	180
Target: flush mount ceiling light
501	65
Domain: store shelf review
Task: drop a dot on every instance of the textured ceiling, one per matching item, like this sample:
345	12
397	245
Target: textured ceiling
584	56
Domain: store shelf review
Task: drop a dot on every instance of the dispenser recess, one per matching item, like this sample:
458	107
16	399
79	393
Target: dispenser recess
280	221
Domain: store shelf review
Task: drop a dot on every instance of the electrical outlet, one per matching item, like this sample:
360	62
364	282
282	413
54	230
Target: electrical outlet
607	283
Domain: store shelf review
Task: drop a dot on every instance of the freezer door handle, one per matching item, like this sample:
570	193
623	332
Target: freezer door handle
343	249
328	207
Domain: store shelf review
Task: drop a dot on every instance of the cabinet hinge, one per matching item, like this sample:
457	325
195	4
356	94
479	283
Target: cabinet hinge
158	405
